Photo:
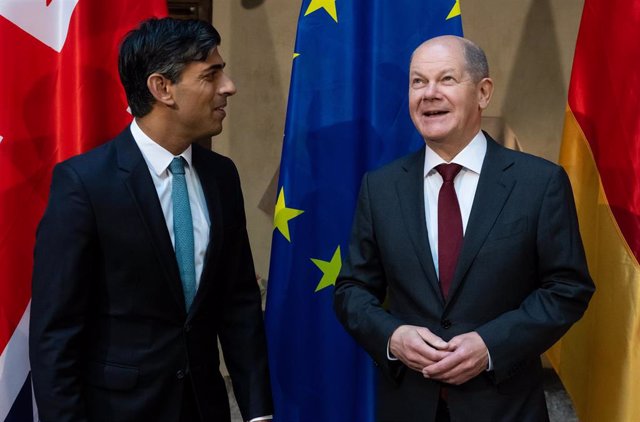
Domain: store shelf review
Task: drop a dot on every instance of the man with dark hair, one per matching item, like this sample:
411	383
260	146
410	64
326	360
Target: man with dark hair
142	261
474	248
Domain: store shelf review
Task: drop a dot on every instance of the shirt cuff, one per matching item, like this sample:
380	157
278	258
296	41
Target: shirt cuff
490	363
389	355
262	418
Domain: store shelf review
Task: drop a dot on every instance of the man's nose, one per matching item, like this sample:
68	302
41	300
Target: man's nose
228	88
430	91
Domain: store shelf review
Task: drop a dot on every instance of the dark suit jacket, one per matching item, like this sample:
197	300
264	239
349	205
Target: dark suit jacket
110	339
520	282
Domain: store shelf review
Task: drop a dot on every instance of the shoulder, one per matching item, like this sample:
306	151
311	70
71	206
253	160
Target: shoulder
216	169
208	155
522	164
95	160
206	159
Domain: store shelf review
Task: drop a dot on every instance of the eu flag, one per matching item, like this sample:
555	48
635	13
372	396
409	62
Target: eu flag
347	114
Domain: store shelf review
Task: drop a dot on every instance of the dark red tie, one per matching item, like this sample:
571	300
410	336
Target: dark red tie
449	226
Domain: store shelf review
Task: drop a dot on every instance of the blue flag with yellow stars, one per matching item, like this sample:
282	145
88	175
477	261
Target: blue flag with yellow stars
347	114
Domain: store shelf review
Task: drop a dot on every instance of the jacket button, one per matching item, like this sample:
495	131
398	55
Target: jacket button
180	374
446	324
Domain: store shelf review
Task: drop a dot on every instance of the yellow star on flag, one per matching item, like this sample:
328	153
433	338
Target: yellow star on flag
296	55
282	216
455	10
328	5
330	270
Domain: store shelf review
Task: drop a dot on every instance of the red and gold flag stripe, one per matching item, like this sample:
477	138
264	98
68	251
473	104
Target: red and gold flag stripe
599	359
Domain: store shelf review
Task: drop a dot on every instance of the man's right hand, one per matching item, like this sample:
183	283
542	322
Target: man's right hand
417	347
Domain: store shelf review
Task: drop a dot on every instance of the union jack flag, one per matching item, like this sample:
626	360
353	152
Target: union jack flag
59	96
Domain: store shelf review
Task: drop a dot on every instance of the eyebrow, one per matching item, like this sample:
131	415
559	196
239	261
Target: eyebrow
213	68
414	72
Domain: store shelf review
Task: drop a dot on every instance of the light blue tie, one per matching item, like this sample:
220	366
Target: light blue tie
183	230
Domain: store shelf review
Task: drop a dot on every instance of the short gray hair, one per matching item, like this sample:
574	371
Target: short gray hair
477	64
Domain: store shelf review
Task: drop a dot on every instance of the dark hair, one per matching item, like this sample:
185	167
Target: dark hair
163	46
477	64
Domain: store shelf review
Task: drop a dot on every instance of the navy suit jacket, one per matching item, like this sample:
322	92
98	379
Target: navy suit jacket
110	338
521	281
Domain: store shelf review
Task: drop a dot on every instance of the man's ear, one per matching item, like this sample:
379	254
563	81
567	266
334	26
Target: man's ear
485	90
160	88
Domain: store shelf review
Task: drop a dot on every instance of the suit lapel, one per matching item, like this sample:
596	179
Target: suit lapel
207	177
135	174
494	187
410	191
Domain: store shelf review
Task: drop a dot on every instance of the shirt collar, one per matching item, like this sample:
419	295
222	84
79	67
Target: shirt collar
470	158
156	157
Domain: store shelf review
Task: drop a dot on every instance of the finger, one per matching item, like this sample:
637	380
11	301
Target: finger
461	374
429	354
433	355
408	345
421	354
431	339
464	363
444	368
456	374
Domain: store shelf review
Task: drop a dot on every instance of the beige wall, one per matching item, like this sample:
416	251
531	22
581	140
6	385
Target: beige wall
529	44
257	44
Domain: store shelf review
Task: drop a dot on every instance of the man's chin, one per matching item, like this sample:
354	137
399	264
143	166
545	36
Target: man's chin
435	133
213	132
435	138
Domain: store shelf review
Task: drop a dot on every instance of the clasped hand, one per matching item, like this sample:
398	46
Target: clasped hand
453	362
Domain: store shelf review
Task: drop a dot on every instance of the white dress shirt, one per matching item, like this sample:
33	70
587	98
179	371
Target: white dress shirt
465	184
158	160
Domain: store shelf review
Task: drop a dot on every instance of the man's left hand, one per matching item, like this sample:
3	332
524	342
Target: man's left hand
469	357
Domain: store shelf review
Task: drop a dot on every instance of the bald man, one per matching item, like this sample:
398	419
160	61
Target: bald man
475	249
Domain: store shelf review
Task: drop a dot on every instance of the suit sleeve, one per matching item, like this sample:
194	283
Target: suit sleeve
362	287
241	333
64	258
563	293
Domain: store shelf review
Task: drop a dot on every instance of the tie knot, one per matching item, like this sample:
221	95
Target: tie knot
448	171
177	166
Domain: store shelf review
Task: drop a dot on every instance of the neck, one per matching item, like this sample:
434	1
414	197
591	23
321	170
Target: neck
447	150
162	135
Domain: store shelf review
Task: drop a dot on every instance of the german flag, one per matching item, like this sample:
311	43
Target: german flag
599	359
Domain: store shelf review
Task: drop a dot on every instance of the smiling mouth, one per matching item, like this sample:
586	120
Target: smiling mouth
434	113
